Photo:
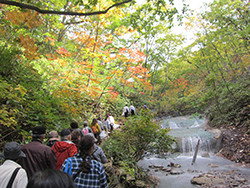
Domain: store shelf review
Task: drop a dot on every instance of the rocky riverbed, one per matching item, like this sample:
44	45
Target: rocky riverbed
212	171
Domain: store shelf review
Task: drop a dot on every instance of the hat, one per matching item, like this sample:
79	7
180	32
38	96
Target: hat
53	135
40	130
12	150
91	134
65	132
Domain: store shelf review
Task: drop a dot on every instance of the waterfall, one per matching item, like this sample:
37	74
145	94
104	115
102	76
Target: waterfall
188	130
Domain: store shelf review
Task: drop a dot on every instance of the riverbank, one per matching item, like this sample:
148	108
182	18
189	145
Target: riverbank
210	171
234	143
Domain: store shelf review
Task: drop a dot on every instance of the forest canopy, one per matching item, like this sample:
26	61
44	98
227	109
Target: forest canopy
56	68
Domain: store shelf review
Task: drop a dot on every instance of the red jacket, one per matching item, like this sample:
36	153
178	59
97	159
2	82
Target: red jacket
63	150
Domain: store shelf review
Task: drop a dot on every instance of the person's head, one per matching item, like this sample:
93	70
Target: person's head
53	135
99	118
39	132
74	125
75	135
93	136
66	134
51	178
12	151
86	146
85	124
94	121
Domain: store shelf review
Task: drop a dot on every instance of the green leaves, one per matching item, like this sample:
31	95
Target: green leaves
140	134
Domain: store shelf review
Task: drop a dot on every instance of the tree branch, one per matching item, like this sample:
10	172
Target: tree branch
22	5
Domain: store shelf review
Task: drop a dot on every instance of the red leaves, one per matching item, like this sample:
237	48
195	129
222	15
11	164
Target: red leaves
63	52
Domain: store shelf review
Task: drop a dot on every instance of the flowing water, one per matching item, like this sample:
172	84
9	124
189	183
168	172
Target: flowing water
188	130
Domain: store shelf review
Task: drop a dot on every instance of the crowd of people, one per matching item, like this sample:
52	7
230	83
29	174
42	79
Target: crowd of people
71	160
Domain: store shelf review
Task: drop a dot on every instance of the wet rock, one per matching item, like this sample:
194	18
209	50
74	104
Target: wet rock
168	169
194	171
146	170
176	171
205	154
204	180
177	166
171	164
213	165
223	179
151	166
158	166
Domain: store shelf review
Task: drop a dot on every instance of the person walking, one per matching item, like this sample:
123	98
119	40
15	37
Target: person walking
111	122
53	138
126	111
38	156
132	110
75	137
86	129
11	173
86	172
74	126
98	153
51	178
96	130
64	148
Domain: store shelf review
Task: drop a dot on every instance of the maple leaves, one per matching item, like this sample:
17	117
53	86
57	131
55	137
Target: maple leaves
29	18
31	49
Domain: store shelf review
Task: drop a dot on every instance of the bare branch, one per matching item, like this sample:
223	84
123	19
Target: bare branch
22	5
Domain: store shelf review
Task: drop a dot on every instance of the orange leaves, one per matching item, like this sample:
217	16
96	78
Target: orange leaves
63	52
108	42
138	70
113	94
52	40
30	47
51	56
30	18
135	54
180	86
181	83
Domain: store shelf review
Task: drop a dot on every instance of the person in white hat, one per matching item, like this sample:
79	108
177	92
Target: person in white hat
12	175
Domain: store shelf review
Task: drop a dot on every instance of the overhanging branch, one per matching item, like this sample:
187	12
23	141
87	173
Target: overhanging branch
22	5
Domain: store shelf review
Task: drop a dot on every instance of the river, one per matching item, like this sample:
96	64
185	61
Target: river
188	130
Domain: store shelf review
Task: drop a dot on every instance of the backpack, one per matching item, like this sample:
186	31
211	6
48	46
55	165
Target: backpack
127	111
93	128
85	131
68	169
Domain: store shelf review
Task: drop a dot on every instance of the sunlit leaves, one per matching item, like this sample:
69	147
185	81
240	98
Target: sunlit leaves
31	49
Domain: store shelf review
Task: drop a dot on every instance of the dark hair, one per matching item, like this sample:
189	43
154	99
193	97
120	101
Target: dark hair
74	125
75	135
85	145
85	123
94	122
51	178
